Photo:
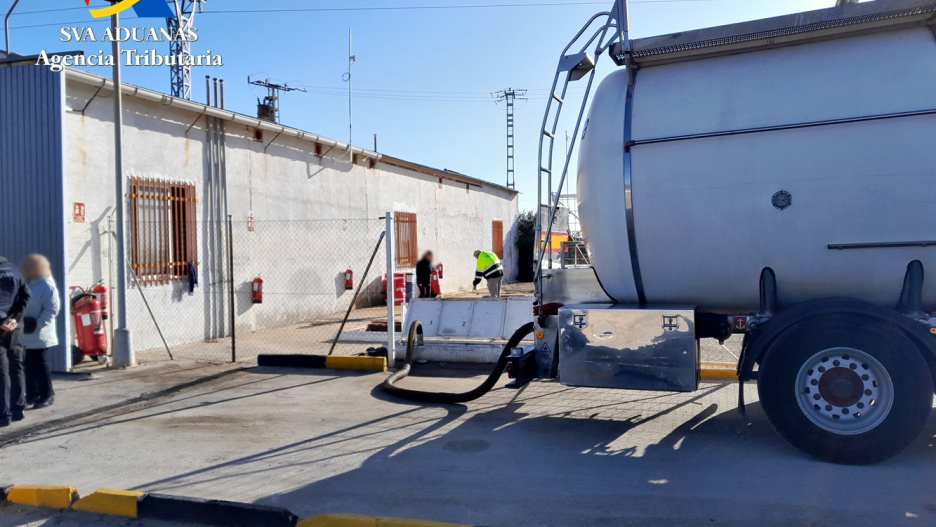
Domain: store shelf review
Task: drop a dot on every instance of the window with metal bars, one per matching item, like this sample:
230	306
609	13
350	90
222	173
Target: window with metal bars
407	251
497	235
163	229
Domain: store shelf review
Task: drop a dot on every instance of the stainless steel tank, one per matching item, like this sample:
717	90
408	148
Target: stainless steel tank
816	159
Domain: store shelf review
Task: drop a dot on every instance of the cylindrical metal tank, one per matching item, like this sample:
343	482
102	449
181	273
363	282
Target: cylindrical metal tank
704	172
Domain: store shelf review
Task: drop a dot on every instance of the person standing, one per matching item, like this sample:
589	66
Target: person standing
489	267
39	329
424	275
14	296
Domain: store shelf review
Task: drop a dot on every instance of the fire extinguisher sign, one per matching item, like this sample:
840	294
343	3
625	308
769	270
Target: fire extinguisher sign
79	212
250	223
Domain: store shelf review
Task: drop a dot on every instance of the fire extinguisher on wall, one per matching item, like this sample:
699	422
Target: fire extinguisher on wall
101	295
257	290
349	279
439	269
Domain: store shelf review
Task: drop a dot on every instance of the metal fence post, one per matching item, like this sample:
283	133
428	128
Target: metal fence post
230	226
391	301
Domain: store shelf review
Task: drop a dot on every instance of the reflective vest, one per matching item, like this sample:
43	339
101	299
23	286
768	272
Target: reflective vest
489	266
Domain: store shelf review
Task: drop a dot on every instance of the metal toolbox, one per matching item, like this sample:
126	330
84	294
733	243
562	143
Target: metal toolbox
629	347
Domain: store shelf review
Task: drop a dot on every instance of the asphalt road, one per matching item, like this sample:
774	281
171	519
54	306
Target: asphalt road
18	516
548	455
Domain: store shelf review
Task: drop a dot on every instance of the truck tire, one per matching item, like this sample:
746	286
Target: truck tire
846	388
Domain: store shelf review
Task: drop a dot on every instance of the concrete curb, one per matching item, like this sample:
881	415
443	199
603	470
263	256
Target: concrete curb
333	362
715	371
140	505
110	502
42	496
212	512
710	371
356	520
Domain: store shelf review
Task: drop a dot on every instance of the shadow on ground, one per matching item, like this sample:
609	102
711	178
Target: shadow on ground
556	456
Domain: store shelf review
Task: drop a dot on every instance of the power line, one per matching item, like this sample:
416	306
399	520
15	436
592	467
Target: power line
415	7
352	9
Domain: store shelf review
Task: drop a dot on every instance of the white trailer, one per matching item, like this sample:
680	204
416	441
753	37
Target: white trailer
775	178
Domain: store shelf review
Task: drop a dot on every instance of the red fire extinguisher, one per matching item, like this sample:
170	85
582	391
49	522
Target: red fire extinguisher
101	295
439	269
435	287
349	279
257	290
89	324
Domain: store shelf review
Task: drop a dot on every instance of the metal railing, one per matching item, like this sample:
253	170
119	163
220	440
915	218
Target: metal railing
572	67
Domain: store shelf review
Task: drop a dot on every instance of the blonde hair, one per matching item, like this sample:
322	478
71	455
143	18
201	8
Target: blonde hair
35	266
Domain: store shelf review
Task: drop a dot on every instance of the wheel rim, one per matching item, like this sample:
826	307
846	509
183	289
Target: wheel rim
845	391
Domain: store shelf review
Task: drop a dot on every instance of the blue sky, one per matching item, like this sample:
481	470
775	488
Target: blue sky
423	77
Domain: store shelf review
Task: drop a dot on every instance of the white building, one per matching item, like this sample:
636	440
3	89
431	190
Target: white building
189	166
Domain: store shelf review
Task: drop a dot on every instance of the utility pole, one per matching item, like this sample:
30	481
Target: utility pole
510	96
180	75
347	78
268	109
123	356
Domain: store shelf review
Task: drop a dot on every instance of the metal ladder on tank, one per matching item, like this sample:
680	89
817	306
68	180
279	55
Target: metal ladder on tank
573	67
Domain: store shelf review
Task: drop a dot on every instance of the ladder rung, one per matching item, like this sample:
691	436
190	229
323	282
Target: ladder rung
558	98
550	135
546	170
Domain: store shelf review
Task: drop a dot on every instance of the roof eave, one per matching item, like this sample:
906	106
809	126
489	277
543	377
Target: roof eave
787	30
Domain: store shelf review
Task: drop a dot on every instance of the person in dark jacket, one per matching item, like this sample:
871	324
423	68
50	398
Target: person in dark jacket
14	297
424	275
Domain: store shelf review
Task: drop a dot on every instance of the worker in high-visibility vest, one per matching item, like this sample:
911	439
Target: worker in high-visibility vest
489	267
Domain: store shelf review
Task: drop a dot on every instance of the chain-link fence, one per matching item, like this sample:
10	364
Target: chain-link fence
289	292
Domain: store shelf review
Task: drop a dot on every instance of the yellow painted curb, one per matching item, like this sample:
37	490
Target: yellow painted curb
719	371
113	502
43	496
356	520
338	362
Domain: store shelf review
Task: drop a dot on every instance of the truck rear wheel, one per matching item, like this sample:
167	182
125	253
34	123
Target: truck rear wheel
846	388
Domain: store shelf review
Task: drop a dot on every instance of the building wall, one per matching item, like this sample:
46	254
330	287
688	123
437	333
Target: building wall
32	202
290	193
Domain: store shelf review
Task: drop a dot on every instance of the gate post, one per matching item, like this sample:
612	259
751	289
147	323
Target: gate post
391	301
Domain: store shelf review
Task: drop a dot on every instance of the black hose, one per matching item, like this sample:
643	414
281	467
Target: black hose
450	398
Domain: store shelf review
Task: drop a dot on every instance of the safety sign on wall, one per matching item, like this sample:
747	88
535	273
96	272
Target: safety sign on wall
79	212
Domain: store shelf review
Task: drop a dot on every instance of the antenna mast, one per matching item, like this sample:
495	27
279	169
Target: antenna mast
268	108
510	95
347	78
180	75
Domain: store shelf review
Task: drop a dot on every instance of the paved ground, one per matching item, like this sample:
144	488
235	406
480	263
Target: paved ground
548	455
17	516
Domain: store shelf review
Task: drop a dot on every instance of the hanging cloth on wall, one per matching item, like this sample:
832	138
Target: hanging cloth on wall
192	277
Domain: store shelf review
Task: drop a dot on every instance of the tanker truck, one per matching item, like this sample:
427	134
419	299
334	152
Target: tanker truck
776	179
